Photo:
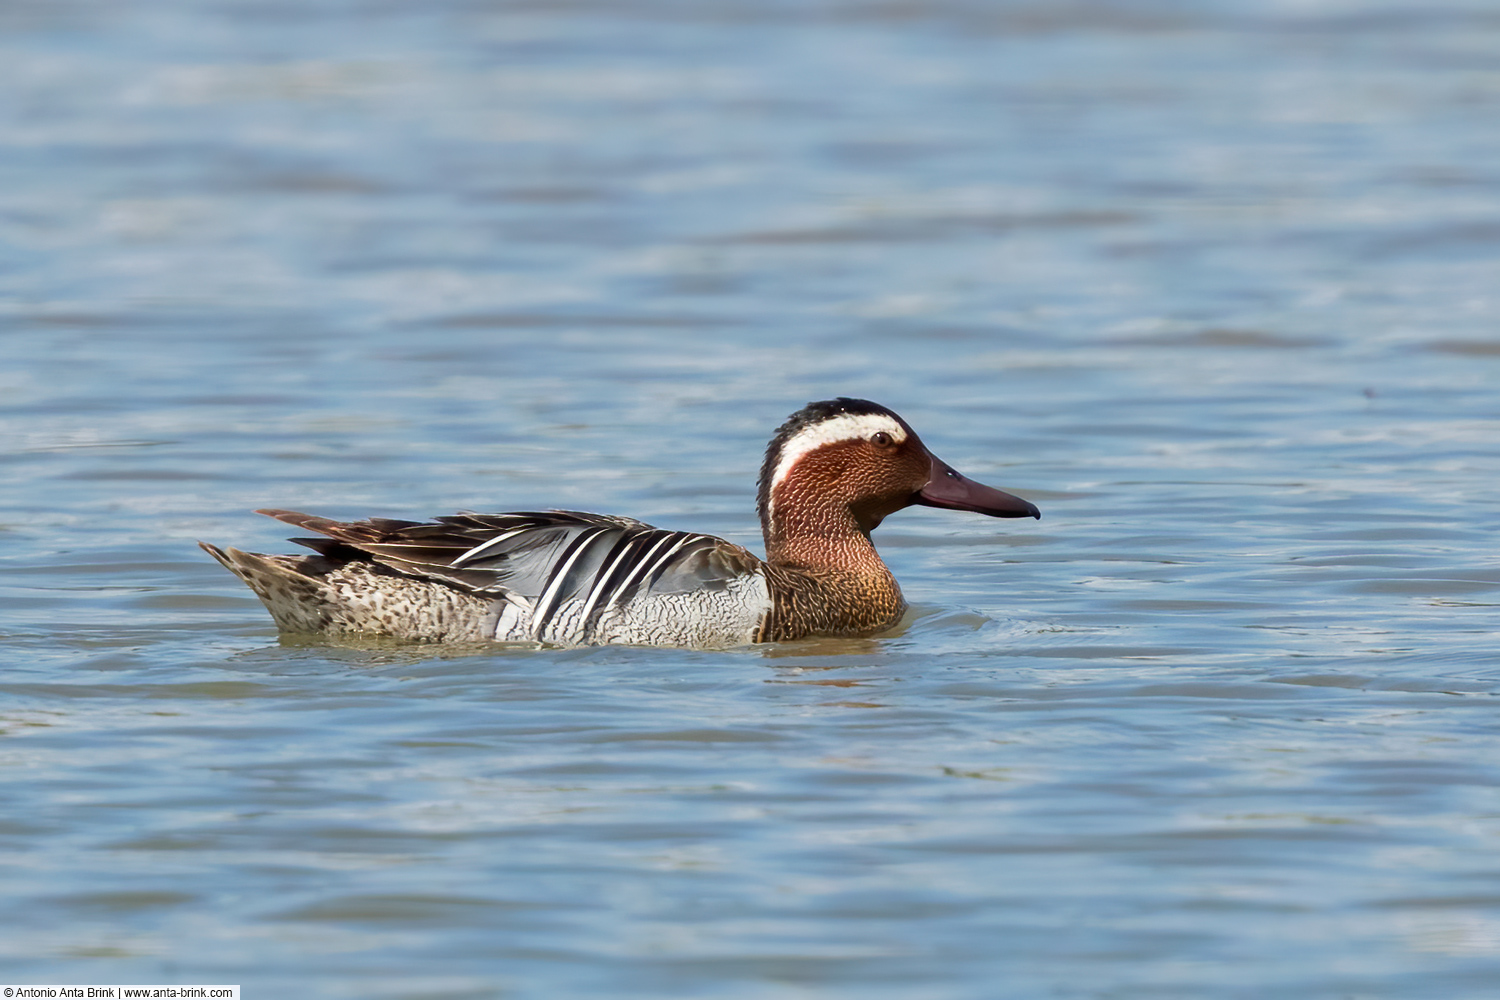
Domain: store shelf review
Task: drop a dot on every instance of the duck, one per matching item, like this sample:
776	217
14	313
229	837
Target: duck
831	474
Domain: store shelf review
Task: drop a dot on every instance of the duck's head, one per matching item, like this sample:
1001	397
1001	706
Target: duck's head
857	456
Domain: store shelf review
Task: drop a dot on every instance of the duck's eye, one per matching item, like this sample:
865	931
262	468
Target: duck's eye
881	438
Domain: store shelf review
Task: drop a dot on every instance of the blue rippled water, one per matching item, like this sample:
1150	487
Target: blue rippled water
1214	284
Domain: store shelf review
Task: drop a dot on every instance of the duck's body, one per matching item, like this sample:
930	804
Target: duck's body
831	473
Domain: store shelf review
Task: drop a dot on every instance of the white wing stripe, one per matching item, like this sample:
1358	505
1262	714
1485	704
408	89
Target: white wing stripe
633	568
602	591
547	603
651	561
635	571
479	550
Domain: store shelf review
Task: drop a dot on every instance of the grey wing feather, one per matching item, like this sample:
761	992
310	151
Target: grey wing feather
705	567
542	560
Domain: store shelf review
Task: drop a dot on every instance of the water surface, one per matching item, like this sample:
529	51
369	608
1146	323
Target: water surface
1213	284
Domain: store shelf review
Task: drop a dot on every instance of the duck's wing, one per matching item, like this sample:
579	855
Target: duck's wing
540	560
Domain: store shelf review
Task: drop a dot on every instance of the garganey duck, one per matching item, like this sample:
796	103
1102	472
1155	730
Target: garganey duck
832	473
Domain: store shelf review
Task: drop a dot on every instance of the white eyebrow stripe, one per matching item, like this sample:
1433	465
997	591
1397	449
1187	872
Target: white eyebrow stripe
843	427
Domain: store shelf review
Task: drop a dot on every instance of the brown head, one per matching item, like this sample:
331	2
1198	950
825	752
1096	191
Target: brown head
838	467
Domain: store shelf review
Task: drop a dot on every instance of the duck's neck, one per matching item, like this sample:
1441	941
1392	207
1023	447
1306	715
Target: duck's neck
820	538
826	577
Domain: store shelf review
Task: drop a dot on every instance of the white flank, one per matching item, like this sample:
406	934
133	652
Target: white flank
843	427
